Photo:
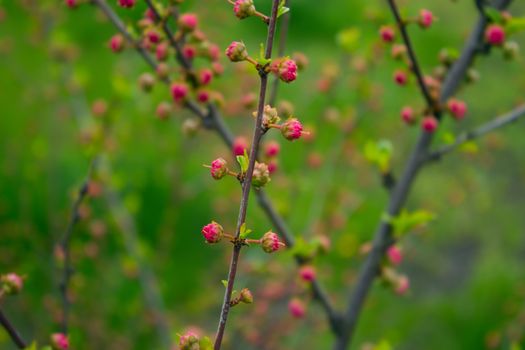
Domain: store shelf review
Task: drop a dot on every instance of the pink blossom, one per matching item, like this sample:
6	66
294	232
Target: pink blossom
116	43
189	52
218	168
203	96
126	3
179	91
212	232
429	124
205	76
400	77
11	283
387	34
236	52
270	242
395	255
188	22
239	146
307	273
272	149
402	285
495	34
407	114
425	18
59	341
457	108
161	52
292	129
297	308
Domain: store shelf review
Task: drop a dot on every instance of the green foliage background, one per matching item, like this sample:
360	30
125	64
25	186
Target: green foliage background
466	268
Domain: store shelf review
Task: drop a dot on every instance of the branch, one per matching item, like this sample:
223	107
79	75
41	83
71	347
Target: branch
65	247
495	124
383	236
414	65
214	120
246	185
10	329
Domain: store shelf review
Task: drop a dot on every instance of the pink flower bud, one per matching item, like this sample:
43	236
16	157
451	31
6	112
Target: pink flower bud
457	108
179	91
270	242
246	296
400	77
261	175
402	285
126	3
407	115
205	76
307	273
163	70
495	34
150	15
292	129
116	43
188	22
189	341
243	8
387	34
236	52
212	232
71	3
218	68
272	149
425	18
162	52
429	124
214	52
203	96
59	341
11	283
239	146
272	166
296	308
163	110
395	255
153	36
398	51
99	108
218	168
189	51
285	69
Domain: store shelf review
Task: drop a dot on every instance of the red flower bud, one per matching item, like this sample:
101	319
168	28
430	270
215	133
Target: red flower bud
407	114
126	3
189	341
495	34
285	69
244	8
218	168
457	108
212	232
426	18
429	124
188	22
59	341
205	76
292	129
387	34
11	283
179	91
395	255
239	146
116	43
162	52
400	77
270	242
71	3
236	52
297	308
272	149
307	273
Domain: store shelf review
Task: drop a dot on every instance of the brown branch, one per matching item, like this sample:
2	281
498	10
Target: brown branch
383	236
246	185
482	130
10	329
65	248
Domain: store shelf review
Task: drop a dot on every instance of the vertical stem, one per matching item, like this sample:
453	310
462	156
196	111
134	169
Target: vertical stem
246	185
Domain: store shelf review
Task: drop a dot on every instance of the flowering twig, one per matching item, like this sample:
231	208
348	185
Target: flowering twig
10	329
383	235
66	251
490	126
283	34
246	186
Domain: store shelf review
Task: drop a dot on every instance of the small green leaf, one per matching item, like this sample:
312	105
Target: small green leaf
405	221
244	232
379	153
282	9
33	346
515	25
225	283
383	345
348	39
493	14
243	161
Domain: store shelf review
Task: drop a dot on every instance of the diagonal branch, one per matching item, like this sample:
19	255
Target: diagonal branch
10	329
383	235
482	130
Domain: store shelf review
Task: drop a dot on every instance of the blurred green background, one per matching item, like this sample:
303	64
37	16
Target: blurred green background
138	249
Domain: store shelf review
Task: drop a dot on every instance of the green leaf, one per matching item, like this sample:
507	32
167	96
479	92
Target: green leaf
205	344
379	153
282	9
493	14
225	283
383	345
305	249
405	221
33	346
244	232
243	161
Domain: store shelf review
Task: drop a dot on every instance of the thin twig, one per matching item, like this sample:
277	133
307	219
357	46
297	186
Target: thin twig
482	130
246	185
10	329
383	235
214	120
65	248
